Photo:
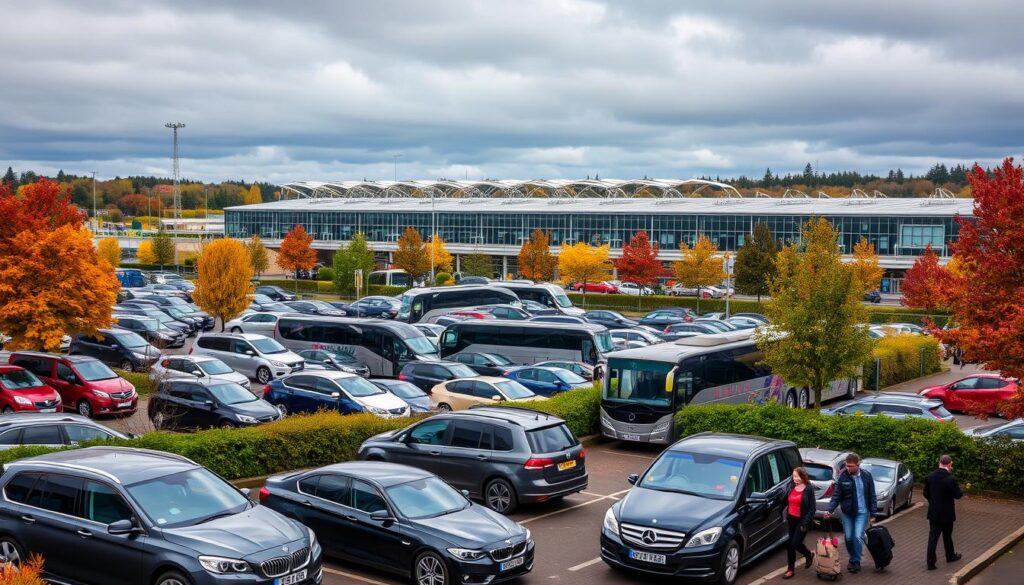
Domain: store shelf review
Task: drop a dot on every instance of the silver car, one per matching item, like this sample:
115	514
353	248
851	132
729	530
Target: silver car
262	323
823	466
1013	430
256	356
192	367
894	484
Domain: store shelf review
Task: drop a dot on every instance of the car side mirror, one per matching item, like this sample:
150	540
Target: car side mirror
336	395
497	398
245	492
126	526
465	493
198	373
757	498
114	346
250	353
381	516
632	478
210	404
490	364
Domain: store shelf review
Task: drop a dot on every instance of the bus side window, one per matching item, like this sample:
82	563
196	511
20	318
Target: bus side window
684	387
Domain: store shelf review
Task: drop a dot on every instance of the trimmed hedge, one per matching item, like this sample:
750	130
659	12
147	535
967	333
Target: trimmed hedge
304	286
579	408
143	385
980	464
902	357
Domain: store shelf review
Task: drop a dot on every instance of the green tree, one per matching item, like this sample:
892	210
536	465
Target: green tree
258	256
755	262
817	332
355	255
477	264
163	248
11	179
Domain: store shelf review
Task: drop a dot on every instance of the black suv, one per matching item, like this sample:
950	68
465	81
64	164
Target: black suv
706	506
502	456
194	404
426	375
118	348
119	516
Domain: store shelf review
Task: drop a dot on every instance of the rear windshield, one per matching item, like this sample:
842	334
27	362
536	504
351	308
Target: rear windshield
940	412
818	472
551	439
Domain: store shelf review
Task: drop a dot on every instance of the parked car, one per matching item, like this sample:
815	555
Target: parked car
494	312
894	406
873	296
528	456
315	308
585	371
483	390
534	308
979	392
417	399
610	319
165	290
823	467
1013	430
679	290
636	290
639	334
376	306
595	287
192	367
256	356
426	375
262	323
346	393
184	311
662	318
125	513
379	504
721	326
432	330
547	381
754	316
274	292
85	384
21	390
271	307
151	330
41	429
182	404
117	348
719	501
334	360
558	319
743	322
147	309
484	364
681	330
894	484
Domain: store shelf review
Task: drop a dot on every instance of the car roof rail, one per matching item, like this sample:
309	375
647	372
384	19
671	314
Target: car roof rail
536	413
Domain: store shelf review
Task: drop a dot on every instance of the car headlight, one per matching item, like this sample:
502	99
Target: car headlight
246	419
375	410
22	400
661	428
611	523
139	355
222	565
278	364
101	394
313	544
705	537
466	554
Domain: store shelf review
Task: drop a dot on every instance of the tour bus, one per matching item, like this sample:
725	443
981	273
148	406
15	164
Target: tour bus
547	294
425	304
383	345
130	277
527	342
394	277
645	387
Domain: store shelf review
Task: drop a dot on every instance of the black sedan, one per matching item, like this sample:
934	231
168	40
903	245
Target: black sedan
610	319
402	520
275	292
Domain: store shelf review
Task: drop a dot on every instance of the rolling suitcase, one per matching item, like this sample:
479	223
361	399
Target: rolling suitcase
879	543
827	563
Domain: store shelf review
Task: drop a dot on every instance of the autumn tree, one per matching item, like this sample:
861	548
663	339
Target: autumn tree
477	264
535	259
700	267
412	255
926	284
355	255
259	259
253	195
439	255
584	263
639	262
163	248
755	262
296	252
865	265
53	284
224	270
41	206
145	252
108	249
817	317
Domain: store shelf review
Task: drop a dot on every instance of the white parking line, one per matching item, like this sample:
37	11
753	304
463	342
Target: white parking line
585	565
353	576
587	503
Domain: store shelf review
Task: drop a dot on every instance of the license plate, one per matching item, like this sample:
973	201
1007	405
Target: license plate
47	410
124	404
566	465
629	437
291	579
516	562
638	555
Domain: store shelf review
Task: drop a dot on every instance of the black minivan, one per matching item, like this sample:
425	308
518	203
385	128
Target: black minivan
708	505
193	404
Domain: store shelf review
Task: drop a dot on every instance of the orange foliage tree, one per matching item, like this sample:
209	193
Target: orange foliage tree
296	252
29	572
535	259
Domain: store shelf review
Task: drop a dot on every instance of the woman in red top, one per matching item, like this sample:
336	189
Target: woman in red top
800	515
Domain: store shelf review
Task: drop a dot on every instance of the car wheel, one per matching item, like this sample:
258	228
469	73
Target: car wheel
910	499
282	409
444	407
236	329
173	578
500	496
126	365
8	410
10	552
84	408
805	399
430	570
730	564
791	399
159	421
263	375
226	424
892	507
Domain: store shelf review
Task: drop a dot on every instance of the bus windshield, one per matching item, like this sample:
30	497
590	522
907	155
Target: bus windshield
637	381
604	342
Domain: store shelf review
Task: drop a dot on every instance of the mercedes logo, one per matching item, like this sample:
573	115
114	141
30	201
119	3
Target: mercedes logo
508	541
632	417
284	549
649	537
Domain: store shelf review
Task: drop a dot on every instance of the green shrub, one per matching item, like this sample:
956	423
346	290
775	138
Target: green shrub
902	357
578	408
325	274
441	278
143	385
388	291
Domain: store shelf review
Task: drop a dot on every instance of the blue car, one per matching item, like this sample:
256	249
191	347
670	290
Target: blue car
545	381
417	399
312	391
382	307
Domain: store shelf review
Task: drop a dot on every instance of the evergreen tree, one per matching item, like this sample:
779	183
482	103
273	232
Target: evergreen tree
808	175
477	264
11	179
899	176
755	262
768	180
61	177
356	255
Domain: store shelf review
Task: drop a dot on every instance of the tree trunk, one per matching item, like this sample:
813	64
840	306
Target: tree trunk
698	301
817	398
583	287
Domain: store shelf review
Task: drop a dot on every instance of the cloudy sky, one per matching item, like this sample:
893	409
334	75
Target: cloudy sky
279	91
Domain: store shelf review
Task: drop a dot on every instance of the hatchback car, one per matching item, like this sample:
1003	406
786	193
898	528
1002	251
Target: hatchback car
258	322
433	331
631	288
85	384
977	393
1013	430
708	505
405	521
258	357
638	335
610	319
21	390
192	367
585	371
893	406
823	467
480	391
894	484
315	308
595	287
56	430
485	364
146	308
547	381
502	456
335	360
117	348
418	400
151	330
275	292
121	516
193	405
346	393
426	375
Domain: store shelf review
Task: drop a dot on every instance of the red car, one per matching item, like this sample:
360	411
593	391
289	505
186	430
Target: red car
86	385
981	392
21	390
596	287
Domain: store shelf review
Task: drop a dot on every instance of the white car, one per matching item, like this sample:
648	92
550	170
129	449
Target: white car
631	288
192	367
1013	430
254	322
679	290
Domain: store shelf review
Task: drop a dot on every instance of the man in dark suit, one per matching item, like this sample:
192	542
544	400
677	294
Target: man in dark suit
942	490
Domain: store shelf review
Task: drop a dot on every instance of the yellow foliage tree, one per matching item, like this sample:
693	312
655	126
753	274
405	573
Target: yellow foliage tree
52	284
439	254
223	284
253	195
412	255
584	263
145	253
258	256
700	266
866	269
108	249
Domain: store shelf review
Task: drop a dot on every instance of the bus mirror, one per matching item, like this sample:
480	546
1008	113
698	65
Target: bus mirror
670	380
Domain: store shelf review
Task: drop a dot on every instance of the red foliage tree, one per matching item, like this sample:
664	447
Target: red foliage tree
134	204
639	262
41	206
987	303
926	285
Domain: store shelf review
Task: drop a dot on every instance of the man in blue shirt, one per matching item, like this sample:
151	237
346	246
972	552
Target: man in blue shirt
855	496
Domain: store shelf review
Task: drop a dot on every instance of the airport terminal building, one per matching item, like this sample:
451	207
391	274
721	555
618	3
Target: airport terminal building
495	217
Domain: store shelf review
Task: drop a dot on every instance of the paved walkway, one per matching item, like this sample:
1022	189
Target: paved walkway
1008	569
982	522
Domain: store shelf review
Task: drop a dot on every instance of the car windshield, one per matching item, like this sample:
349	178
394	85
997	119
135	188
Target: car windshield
19	379
461	371
563	301
161	316
259	298
176	312
883	474
231	393
421	345
818	472
267	346
513	390
569	377
130	340
426	498
275	307
499	359
700	474
214	367
321	305
405	390
187	498
343	358
148	324
93	371
359	387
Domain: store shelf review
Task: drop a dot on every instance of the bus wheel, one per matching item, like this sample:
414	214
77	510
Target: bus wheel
791	399
805	399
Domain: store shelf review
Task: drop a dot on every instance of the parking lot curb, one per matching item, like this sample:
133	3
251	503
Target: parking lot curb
589	440
988	557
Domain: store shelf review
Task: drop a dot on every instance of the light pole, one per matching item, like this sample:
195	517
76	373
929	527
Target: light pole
433	236
95	219
395	157
728	281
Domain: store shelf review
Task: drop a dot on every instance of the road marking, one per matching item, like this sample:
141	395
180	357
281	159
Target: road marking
587	503
585	565
592	494
353	576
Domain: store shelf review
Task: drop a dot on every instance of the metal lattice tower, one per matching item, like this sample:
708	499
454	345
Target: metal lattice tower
177	190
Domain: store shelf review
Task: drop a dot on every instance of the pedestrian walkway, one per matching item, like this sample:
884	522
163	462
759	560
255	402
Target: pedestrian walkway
952	375
981	523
